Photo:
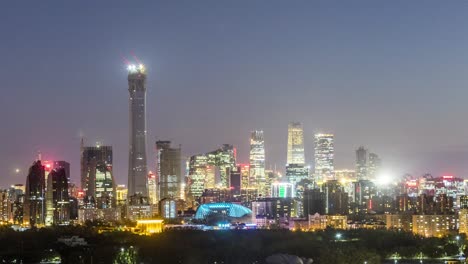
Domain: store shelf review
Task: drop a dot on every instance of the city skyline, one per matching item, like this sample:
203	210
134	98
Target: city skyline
386	79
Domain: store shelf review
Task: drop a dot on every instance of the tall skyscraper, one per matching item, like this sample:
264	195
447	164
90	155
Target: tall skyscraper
367	164
121	194
58	201
50	165
34	202
97	180
245	175
324	157
296	174
373	167
65	165
169	172
137	166
235	181
197	175
336	199
361	163
257	161
295	143
152	188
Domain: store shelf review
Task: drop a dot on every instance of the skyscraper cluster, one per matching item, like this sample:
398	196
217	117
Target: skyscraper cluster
319	194
367	164
46	202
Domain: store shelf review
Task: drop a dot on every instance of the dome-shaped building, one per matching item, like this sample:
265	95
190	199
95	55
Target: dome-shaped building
214	212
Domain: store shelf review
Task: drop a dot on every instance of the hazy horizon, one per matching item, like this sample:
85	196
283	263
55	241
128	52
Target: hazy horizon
390	76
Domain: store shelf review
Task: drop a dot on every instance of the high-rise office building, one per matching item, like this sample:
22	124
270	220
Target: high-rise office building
271	177
324	157
336	199
235	179
314	202
97	180
295	173
65	165
364	193
121	194
57	198
50	165
169	172
245	175
152	188
168	208
367	164
361	163
197	174
257	161
295	143
373	167
34	202
213	168
137	166
345	176
282	190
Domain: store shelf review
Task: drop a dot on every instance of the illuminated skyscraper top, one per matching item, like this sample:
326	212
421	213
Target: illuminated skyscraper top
137	166
295	143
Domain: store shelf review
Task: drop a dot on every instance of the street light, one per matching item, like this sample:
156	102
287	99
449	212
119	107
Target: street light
338	236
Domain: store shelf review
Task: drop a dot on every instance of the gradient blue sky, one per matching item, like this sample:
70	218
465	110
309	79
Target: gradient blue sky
390	75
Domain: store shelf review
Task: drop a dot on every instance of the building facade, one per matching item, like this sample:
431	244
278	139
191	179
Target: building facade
34	201
211	170
361	163
434	225
169	172
373	168
257	161
152	188
282	190
295	143
168	208
324	158
137	166
97	180
57	198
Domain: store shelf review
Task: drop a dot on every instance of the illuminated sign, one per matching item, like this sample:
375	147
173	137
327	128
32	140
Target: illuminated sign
411	183
282	191
447	177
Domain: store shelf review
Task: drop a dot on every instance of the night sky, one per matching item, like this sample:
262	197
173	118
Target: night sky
389	75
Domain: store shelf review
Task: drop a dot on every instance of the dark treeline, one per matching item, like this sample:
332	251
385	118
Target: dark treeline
237	246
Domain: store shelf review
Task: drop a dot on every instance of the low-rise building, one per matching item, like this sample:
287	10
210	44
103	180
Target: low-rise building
463	221
94	214
401	222
318	222
149	226
434	225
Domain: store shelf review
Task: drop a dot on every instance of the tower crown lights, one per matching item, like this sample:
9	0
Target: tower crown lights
136	68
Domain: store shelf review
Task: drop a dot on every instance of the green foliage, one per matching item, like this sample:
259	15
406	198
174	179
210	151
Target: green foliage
237	246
